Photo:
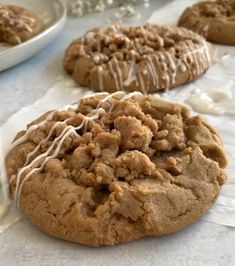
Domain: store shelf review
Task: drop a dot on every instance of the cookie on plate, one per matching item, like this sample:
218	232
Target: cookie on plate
215	20
18	24
115	168
146	58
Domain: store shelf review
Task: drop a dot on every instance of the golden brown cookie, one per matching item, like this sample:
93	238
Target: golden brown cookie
18	24
215	20
115	168
145	58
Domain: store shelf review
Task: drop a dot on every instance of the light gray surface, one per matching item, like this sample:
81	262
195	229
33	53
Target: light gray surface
200	244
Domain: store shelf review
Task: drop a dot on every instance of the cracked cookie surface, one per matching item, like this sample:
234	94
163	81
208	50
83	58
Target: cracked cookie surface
115	168
215	20
146	58
18	24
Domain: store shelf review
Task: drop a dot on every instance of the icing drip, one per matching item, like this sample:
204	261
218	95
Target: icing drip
159	59
142	84
203	29
81	50
100	77
133	69
199	55
30	155
33	165
193	57
166	64
28	28
172	67
152	71
215	102
61	138
41	124
130	95
119	72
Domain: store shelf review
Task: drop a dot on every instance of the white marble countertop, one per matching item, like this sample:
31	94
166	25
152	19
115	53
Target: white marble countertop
203	243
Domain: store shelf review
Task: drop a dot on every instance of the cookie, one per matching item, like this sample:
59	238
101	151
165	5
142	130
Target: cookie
115	168
18	24
215	20
145	58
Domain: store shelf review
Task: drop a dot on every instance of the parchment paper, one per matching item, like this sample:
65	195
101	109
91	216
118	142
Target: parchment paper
220	75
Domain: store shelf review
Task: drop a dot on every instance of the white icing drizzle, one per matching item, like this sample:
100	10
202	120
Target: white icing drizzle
152	71
94	94
159	64
31	129
61	138
193	55
114	74
199	55
32	20
215	102
172	66
203	29
167	65
32	166
81	50
142	84
132	94
31	154
28	28
168	73
109	96
119	72
131	73
101	78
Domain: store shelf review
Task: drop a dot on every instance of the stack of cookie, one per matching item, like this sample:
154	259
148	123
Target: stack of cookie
121	164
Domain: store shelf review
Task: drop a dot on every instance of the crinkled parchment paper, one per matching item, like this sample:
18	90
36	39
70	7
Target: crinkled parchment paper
220	76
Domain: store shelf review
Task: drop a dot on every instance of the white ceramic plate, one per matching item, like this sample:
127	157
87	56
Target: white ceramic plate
53	14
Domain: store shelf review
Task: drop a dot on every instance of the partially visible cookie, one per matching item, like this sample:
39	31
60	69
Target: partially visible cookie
215	20
18	24
115	168
146	58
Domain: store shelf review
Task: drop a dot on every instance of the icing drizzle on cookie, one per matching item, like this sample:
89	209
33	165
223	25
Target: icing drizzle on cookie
121	54
36	164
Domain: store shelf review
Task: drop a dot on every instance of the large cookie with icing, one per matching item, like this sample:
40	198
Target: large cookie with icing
18	24
145	58
116	168
215	20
